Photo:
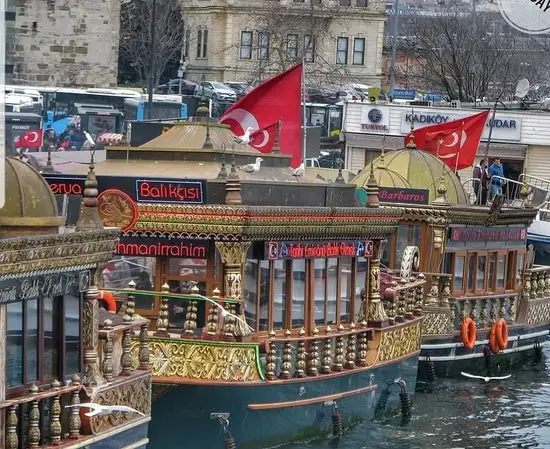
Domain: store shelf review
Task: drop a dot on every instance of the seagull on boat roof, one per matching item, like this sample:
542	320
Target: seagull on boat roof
486	379
245	138
100	409
253	168
300	170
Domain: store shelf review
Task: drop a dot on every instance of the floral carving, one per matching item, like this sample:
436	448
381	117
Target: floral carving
117	209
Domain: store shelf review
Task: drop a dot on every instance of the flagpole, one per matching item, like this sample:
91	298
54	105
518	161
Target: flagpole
304	118
459	146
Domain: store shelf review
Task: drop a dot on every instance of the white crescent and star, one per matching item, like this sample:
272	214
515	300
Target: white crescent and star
35	137
263	143
242	117
464	136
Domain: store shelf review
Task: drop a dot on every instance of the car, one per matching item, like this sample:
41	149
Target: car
172	87
215	91
321	95
241	89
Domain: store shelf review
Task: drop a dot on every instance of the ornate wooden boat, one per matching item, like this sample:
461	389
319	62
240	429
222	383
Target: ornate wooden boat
477	265
50	333
263	290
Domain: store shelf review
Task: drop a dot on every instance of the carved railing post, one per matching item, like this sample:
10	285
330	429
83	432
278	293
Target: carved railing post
126	359
363	349
512	310
351	349
55	422
33	432
301	356
12	438
313	356
419	295
377	316
527	286
483	314
90	337
229	322
271	359
144	348
190	323
108	352
326	360
130	309
286	359
74	413
162	321
233	257
338	364
213	316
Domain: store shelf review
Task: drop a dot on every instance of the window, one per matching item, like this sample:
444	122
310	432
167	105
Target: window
250	292
361	275
359	51
520	260
345	2
501	270
265	283
402	243
480	276
202	43
298	293
36	351
471	271
319	292
279	295
187	42
491	272
458	273
361	3
346	293
342	50
263	46
291	46
309	49
246	45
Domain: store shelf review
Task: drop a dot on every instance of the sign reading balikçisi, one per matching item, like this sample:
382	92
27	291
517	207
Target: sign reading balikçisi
312	250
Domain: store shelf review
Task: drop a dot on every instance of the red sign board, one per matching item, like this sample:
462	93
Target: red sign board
316	250
153	247
479	234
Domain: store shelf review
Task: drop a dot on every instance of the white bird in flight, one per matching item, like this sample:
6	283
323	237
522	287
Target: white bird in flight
100	409
299	171
245	138
253	168
486	379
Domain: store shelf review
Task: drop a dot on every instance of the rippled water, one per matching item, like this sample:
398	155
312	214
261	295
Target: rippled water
465	413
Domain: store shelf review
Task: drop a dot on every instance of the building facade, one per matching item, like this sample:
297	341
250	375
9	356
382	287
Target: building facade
340	40
520	138
62	43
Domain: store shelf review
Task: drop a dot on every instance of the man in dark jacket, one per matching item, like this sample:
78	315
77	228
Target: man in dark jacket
481	179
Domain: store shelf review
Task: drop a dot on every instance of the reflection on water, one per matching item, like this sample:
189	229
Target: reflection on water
466	414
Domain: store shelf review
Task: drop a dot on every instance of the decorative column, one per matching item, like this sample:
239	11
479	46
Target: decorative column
376	314
233	256
90	337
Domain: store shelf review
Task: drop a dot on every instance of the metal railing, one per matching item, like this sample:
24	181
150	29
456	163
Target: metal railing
538	189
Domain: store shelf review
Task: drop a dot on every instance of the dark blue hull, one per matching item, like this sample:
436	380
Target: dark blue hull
271	413
133	435
448	356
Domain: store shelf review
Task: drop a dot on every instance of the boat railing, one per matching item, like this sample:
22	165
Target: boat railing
516	194
43	418
470	186
338	347
537	282
540	184
484	310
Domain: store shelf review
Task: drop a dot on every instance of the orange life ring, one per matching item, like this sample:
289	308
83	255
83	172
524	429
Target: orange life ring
502	333
493	345
109	299
469	333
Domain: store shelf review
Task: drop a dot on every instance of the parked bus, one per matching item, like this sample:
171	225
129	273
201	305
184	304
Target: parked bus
326	116
164	107
17	124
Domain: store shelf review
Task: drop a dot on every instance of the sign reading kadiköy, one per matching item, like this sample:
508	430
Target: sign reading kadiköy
403	196
496	234
46	286
140	190
313	250
527	16
504	127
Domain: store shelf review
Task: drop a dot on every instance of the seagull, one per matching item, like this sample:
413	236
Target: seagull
100	409
253	168
245	138
486	379
300	170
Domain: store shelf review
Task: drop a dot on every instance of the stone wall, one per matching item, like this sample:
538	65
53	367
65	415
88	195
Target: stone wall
65	43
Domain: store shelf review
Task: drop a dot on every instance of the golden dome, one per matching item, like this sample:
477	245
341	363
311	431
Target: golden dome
421	170
384	178
29	199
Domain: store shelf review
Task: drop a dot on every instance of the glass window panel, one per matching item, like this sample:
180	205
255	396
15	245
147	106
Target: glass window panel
298	293
177	307
192	268
51	336
447	263
199	43
491	273
204	43
519	270
309	46
458	283
416	235
385	260
14	348
292	46
279	295
481	265
319	290
360	285
250	291
471	270
72	334
359	51
501	264
246	45
264	295
402	243
345	290
31	340
263	46
342	50
332	290
144	268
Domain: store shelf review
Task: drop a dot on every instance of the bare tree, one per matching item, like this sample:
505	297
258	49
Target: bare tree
461	55
288	34
135	31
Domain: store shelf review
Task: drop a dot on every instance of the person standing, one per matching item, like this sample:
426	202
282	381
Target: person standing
496	173
481	177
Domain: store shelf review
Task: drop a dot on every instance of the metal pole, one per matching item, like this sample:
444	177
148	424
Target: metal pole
152	62
491	123
394	45
304	119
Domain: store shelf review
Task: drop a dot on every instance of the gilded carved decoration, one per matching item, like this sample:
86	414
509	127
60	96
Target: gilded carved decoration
437	323
54	252
376	312
117	209
538	311
135	393
399	342
234	253
201	360
90	338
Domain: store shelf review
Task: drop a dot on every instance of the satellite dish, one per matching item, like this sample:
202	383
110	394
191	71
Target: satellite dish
522	87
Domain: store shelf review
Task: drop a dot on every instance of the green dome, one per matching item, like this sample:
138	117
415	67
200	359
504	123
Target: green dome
421	170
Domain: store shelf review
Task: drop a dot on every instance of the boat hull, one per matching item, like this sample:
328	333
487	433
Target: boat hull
449	356
271	413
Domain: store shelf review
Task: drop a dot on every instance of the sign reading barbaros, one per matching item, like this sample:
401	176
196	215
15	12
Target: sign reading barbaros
47	286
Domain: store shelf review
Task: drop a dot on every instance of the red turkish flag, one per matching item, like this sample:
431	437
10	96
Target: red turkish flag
31	139
264	139
455	142
277	99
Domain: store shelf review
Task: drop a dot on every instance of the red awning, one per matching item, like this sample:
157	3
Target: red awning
109	138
